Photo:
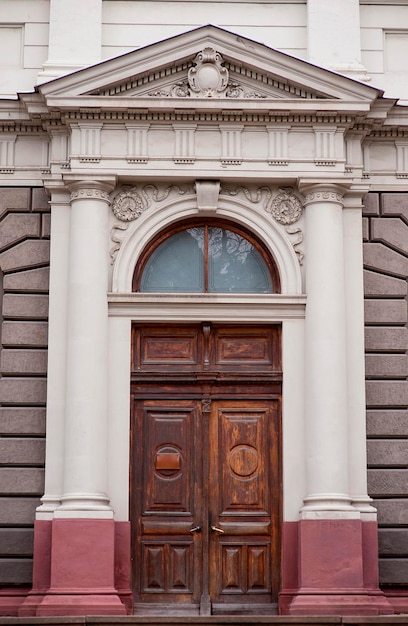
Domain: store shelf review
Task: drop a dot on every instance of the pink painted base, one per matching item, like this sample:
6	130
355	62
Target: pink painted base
81	567
398	598
330	567
11	598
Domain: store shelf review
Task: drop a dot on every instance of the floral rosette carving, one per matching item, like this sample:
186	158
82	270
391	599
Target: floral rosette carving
285	208
128	205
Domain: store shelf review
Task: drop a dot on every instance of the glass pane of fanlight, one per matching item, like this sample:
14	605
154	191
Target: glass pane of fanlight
177	264
235	265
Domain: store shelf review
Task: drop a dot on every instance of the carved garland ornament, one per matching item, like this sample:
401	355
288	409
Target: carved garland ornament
131	202
128	205
286	209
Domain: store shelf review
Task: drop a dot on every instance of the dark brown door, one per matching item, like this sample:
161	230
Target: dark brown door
243	495
206	496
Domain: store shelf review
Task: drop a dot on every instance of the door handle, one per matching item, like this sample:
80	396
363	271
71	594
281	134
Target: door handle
215	529
196	529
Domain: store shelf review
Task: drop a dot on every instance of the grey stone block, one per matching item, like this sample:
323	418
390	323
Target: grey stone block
14	198
18	511
371	204
21	481
383	339
386	365
386	393
16	542
46	225
393	231
23	390
22	421
366	231
385	311
388	423
388	482
393	541
22	452
23	362
16	571
382	285
40	200
392	511
29	334
393	571
31	281
394	204
387	453
26	254
379	257
18	226
20	306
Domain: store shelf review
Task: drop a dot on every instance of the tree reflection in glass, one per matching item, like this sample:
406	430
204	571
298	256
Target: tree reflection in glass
206	258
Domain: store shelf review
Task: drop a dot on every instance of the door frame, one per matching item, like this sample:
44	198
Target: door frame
268	388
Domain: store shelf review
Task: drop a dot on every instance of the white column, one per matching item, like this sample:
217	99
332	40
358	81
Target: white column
327	471
354	299
333	32
75	37
57	336
85	454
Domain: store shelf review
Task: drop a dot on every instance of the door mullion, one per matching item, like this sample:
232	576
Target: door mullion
205	604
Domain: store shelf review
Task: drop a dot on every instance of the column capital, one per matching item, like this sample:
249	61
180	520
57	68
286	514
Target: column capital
85	188
323	192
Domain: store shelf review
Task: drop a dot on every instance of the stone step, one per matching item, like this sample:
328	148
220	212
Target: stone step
214	620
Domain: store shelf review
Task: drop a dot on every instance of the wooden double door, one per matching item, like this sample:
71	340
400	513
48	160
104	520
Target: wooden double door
206	478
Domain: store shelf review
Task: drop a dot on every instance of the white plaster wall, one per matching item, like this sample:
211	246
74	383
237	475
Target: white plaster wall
384	47
128	25
24	32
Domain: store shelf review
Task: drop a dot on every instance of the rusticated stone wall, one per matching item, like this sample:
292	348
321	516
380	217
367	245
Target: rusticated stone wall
386	273
24	257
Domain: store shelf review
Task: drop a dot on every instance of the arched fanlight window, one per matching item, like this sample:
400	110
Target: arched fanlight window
206	258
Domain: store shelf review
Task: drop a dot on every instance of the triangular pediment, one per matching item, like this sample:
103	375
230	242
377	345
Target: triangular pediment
205	64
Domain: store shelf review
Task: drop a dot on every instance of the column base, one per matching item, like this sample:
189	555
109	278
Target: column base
330	567
347	602
69	605
81	567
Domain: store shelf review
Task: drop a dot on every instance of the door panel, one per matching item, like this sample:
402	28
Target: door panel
244	493
167	462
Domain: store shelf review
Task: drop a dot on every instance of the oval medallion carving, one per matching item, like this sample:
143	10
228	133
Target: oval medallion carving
128	205
243	460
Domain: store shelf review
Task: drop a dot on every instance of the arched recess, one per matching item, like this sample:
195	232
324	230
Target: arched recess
285	307
158	218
